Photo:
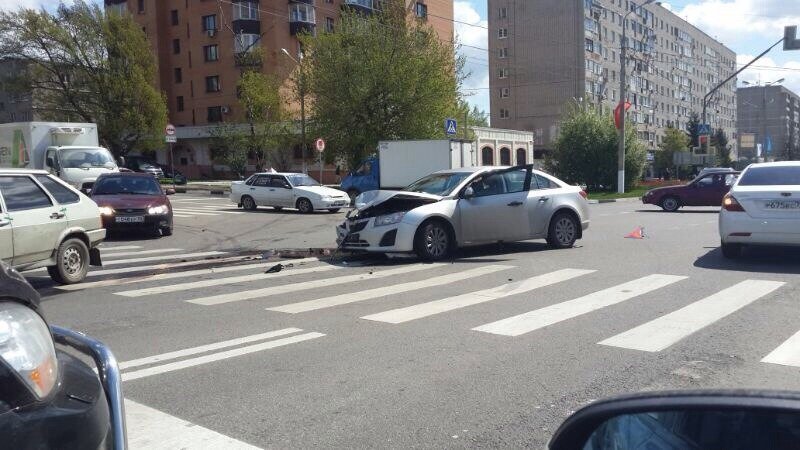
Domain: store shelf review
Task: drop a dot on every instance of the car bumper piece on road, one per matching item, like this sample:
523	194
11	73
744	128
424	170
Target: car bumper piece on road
740	228
361	235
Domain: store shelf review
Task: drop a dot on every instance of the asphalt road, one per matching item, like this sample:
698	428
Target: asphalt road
321	355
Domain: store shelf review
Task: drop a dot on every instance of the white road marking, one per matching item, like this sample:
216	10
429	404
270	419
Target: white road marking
198	199
106	248
421	310
172	275
181	216
205	348
114	262
549	315
326	282
165	266
152	429
223	281
213	357
205	211
202	206
140	252
336	300
194	213
665	331
787	354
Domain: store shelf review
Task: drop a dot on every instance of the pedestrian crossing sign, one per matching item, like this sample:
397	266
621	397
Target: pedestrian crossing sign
450	126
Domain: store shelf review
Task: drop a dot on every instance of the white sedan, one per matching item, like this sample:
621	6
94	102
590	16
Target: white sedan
287	190
762	208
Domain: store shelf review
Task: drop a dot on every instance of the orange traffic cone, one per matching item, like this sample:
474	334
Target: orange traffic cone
638	233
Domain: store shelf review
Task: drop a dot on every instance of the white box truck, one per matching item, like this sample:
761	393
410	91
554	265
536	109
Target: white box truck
400	163
71	151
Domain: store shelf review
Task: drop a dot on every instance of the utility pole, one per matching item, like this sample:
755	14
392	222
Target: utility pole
301	88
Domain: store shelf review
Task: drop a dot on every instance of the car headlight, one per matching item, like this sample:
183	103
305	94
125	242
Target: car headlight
106	211
326	198
160	209
27	347
389	219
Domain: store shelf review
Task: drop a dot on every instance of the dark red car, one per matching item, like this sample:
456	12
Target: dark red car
133	201
705	190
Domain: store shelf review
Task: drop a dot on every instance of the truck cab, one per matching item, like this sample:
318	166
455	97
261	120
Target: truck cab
79	165
366	177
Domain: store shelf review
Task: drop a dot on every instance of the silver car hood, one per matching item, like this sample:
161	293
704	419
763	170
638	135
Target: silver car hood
373	198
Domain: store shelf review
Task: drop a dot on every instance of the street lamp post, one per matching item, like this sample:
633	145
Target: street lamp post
622	96
302	91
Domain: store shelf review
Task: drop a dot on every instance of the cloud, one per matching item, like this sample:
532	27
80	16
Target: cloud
471	33
741	21
767	70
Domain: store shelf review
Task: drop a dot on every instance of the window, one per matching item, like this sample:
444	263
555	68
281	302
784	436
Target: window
141	6
173	16
503	53
505	157
245	42
61	193
329	24
502	72
492	184
210	22
515	179
503	13
487	156
178	74
421	10
262	180
21	193
504	113
179	103
210	53
302	12
545	183
504	92
280	182
212	83
589	45
521	156
502	33
214	114
245	11
176	46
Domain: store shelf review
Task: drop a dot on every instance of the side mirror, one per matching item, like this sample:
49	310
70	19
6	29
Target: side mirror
287	186
169	191
50	163
684	419
469	193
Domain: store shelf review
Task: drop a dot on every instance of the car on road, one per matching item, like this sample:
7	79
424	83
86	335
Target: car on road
133	201
144	165
467	206
762	208
169	173
44	222
49	398
705	190
287	190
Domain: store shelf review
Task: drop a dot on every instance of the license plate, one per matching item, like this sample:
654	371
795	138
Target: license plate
778	204
130	219
342	203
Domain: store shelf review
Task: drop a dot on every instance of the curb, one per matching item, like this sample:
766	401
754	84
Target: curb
615	200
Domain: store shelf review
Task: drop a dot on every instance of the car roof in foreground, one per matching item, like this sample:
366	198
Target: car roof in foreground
23	171
279	173
474	169
776	164
127	174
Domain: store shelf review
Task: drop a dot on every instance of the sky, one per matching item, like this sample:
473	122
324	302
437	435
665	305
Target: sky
748	27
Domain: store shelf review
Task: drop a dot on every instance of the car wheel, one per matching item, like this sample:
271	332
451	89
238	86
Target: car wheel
72	262
432	242
304	206
248	203
563	230
731	251
670	204
334	210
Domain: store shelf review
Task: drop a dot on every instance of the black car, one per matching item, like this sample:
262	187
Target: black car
48	398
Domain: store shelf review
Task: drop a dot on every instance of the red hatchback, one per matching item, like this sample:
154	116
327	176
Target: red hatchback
706	190
133	201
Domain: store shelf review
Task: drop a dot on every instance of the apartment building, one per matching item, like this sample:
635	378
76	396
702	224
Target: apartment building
15	105
544	54
769	118
199	44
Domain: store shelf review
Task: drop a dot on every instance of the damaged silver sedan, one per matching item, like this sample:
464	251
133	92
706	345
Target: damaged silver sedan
460	207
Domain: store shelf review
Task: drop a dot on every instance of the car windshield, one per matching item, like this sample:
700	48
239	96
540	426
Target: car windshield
437	183
771	176
122	185
302	180
86	157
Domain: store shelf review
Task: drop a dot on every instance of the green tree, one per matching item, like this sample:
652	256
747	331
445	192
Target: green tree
474	117
693	129
378	77
674	142
89	66
585	150
261	136
720	143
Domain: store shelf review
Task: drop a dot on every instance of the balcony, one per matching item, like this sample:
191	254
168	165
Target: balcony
302	17
367	6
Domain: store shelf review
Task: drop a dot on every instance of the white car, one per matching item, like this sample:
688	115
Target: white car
762	208
44	222
287	190
469	206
